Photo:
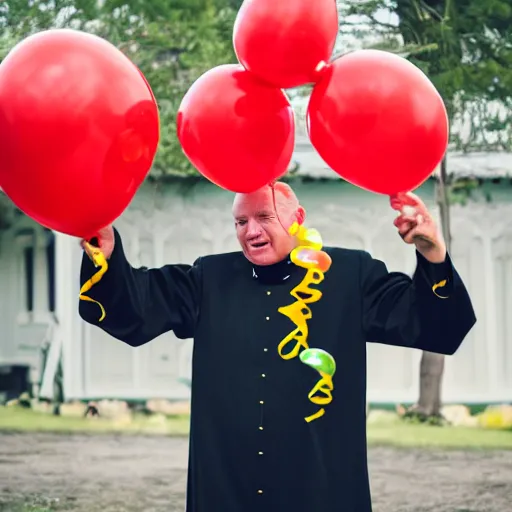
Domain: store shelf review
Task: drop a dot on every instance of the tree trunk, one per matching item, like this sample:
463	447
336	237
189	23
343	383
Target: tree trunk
443	202
431	378
432	365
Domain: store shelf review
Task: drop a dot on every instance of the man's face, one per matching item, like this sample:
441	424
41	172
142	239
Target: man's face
260	230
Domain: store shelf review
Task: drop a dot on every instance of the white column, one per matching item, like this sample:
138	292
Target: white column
491	341
40	285
67	258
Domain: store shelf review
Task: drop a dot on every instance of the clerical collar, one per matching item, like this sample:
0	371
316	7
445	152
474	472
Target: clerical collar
276	273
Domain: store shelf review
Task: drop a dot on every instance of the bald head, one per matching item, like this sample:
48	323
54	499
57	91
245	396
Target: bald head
262	220
280	193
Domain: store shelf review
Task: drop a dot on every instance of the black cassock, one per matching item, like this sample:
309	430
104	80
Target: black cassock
251	448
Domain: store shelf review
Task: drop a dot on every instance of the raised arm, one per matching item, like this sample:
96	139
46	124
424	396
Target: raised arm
141	304
432	311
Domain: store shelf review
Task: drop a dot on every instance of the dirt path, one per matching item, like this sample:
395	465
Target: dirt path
148	474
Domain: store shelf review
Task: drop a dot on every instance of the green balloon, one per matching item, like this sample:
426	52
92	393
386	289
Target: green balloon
319	360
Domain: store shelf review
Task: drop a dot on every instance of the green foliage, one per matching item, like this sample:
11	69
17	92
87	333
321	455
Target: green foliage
173	43
173	49
465	48
417	418
466	52
7	41
463	190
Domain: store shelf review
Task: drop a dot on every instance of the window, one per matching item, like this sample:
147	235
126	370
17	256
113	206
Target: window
36	274
28	262
25	259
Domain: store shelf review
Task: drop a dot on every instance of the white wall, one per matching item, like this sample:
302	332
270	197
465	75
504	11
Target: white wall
25	323
172	224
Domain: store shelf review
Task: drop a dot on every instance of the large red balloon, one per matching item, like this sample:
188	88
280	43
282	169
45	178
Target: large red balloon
238	132
79	129
286	42
378	121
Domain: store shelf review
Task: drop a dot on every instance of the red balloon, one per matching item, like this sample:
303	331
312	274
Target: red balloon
79	129
286	42
238	132
378	121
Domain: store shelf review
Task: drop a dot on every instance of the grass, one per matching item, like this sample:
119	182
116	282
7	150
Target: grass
14	419
389	431
31	508
32	504
400	434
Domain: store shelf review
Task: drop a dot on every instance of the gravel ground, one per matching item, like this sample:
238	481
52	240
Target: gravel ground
148	474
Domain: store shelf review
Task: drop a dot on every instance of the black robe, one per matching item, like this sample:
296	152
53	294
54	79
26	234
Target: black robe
251	449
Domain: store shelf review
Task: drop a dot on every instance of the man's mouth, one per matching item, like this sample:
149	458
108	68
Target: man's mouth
258	245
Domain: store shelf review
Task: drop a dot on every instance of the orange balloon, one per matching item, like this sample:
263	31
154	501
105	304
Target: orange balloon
79	129
378	121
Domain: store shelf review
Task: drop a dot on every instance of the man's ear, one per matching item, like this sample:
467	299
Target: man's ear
300	215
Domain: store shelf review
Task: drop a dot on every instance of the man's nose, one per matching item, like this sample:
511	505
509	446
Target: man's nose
253	228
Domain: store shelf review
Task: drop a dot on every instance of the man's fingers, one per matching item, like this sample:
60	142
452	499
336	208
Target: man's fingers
414	235
422	241
404	228
410	235
401	200
409	229
402	222
406	218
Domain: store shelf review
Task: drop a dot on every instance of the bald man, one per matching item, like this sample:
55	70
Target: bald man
256	444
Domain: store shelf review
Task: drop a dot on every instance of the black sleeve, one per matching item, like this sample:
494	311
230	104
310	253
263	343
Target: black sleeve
141	304
432	311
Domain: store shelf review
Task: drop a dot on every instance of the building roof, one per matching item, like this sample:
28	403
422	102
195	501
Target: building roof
484	165
480	165
469	127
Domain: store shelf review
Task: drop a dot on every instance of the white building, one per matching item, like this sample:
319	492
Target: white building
179	220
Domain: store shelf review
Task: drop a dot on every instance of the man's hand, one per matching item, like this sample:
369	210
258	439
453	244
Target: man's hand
416	226
106	242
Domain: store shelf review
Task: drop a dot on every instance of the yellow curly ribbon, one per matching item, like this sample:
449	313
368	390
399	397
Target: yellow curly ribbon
441	284
307	254
325	386
299	313
99	260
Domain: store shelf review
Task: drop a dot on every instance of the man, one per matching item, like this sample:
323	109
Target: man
257	443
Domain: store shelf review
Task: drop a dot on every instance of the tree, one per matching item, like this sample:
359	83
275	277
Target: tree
468	57
173	43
